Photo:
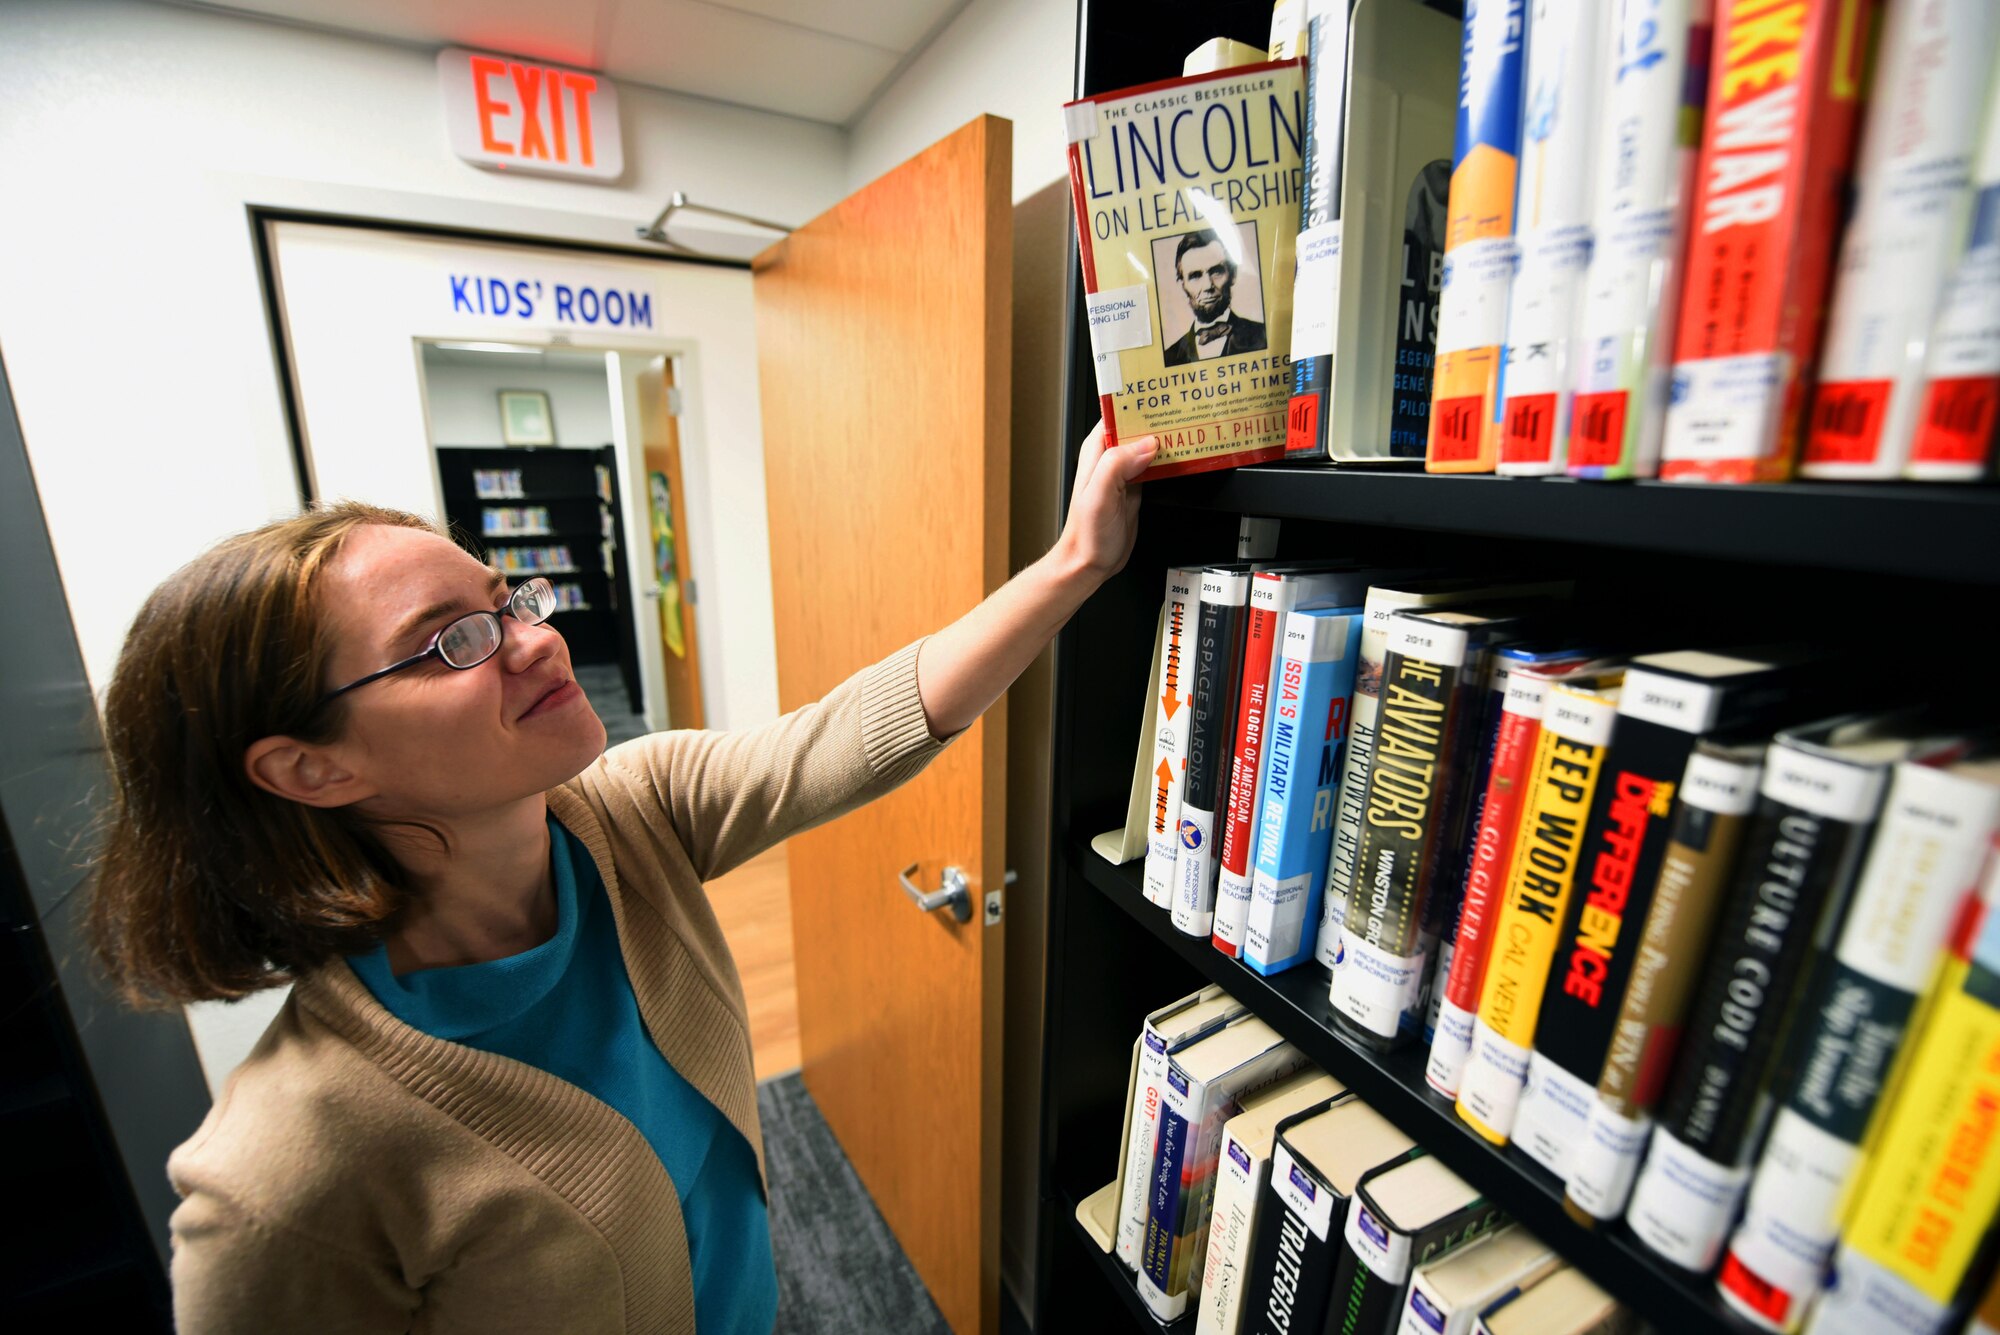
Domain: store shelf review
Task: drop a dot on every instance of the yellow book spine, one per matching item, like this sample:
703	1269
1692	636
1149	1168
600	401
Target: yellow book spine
1934	1181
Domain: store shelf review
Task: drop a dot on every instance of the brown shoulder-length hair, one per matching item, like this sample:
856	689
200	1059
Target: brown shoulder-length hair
208	887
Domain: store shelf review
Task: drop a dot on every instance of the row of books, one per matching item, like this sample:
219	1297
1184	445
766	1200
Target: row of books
520	521
531	560
497	484
1550	863
1260	1192
1602	238
570	598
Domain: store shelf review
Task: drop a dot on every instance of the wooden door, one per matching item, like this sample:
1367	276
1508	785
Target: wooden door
667	533
882	342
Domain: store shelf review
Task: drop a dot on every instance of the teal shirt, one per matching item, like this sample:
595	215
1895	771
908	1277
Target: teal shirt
567	1007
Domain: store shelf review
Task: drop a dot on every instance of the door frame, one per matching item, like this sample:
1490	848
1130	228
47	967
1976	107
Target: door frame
683	353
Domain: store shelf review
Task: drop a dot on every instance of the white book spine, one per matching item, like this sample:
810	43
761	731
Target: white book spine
1913	184
1645	181
1143	1134
1316	285
1927	851
1962	361
1239	1179
1171	697
1563	105
1196	863
1273	598
1356	761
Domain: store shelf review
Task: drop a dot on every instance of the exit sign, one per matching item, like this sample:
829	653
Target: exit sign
522	116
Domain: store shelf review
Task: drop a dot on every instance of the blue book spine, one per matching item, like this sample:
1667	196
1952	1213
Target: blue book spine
1321	649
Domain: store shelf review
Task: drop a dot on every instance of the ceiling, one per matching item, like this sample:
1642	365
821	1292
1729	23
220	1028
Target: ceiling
823	60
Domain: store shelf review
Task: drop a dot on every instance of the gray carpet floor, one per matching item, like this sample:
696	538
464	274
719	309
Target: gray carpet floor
840	1270
604	686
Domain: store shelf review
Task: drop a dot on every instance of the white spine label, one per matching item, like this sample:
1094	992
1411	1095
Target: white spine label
1726	407
1555	1106
1490	1090
1684	1202
1472	305
1316	293
1449	1048
1374	988
1309	1200
1606	1160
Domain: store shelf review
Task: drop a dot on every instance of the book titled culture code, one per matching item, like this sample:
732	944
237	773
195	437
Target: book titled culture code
1187	217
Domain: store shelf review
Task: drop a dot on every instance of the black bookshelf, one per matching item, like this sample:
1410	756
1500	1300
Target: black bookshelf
1851	566
579	488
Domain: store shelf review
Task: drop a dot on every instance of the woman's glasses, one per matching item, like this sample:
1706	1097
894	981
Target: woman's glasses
474	638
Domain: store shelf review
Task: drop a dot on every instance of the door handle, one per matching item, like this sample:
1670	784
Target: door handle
950	895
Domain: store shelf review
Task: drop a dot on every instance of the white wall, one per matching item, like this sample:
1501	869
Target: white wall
132	138
464	401
1010	58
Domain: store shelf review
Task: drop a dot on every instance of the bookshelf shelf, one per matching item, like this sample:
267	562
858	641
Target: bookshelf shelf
1295	1004
1119	1279
1929	531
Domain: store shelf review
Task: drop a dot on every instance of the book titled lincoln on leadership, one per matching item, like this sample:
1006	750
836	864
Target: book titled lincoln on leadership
1187	218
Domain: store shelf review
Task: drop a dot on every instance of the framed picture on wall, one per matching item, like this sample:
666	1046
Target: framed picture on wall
525	418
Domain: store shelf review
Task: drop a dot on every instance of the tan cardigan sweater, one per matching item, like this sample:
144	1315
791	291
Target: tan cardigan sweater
358	1175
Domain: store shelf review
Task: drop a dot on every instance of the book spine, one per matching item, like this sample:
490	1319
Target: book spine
1718	797
1928	1197
1776	146
1645	180
1961	387
1316	289
1163	1257
1935	829
1143	1141
1239	1182
1271	599
1375	1269
1813	818
1314	693
1624	843
1298	1229
1564	102
1912	186
1569	754
1486	877
1218	671
1376	991
1358	757
1478	243
1469	801
1174	693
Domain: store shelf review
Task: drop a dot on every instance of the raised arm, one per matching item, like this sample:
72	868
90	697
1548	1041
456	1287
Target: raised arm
969	664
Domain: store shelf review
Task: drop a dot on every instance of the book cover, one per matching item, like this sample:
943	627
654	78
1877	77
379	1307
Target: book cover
1447	1294
1563	105
1377	991
1187	214
1243	1168
1218	674
1913	183
1205	1080
1577	720
1288	29
1319	1158
1777	143
1961	384
1937	823
1669	701
1525	678
1383	602
1563	1302
1645	182
1928	1196
1273	596
1364	314
1816	810
1716	801
1403	1215
1478	241
1315	687
1192	1017
1173	693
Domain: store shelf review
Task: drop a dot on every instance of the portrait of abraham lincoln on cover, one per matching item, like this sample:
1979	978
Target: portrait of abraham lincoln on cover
1210	293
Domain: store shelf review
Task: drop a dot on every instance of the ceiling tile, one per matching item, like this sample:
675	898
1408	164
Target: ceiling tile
897	27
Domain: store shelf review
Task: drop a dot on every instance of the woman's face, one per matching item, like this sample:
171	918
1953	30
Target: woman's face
432	741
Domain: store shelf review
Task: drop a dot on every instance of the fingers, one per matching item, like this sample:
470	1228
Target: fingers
1138	456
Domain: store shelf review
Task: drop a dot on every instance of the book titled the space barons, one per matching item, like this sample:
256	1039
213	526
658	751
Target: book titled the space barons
1187	215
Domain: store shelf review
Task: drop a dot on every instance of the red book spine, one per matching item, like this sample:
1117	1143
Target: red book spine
1260	647
1492	854
1777	146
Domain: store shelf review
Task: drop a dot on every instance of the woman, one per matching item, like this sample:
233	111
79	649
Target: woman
511	1088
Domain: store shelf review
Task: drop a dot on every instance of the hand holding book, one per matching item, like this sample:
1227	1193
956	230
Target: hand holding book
964	668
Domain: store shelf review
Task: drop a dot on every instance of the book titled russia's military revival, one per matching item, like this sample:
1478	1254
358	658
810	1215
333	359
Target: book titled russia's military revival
1187	218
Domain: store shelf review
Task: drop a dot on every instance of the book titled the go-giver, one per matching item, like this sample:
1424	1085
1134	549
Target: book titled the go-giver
1187	214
